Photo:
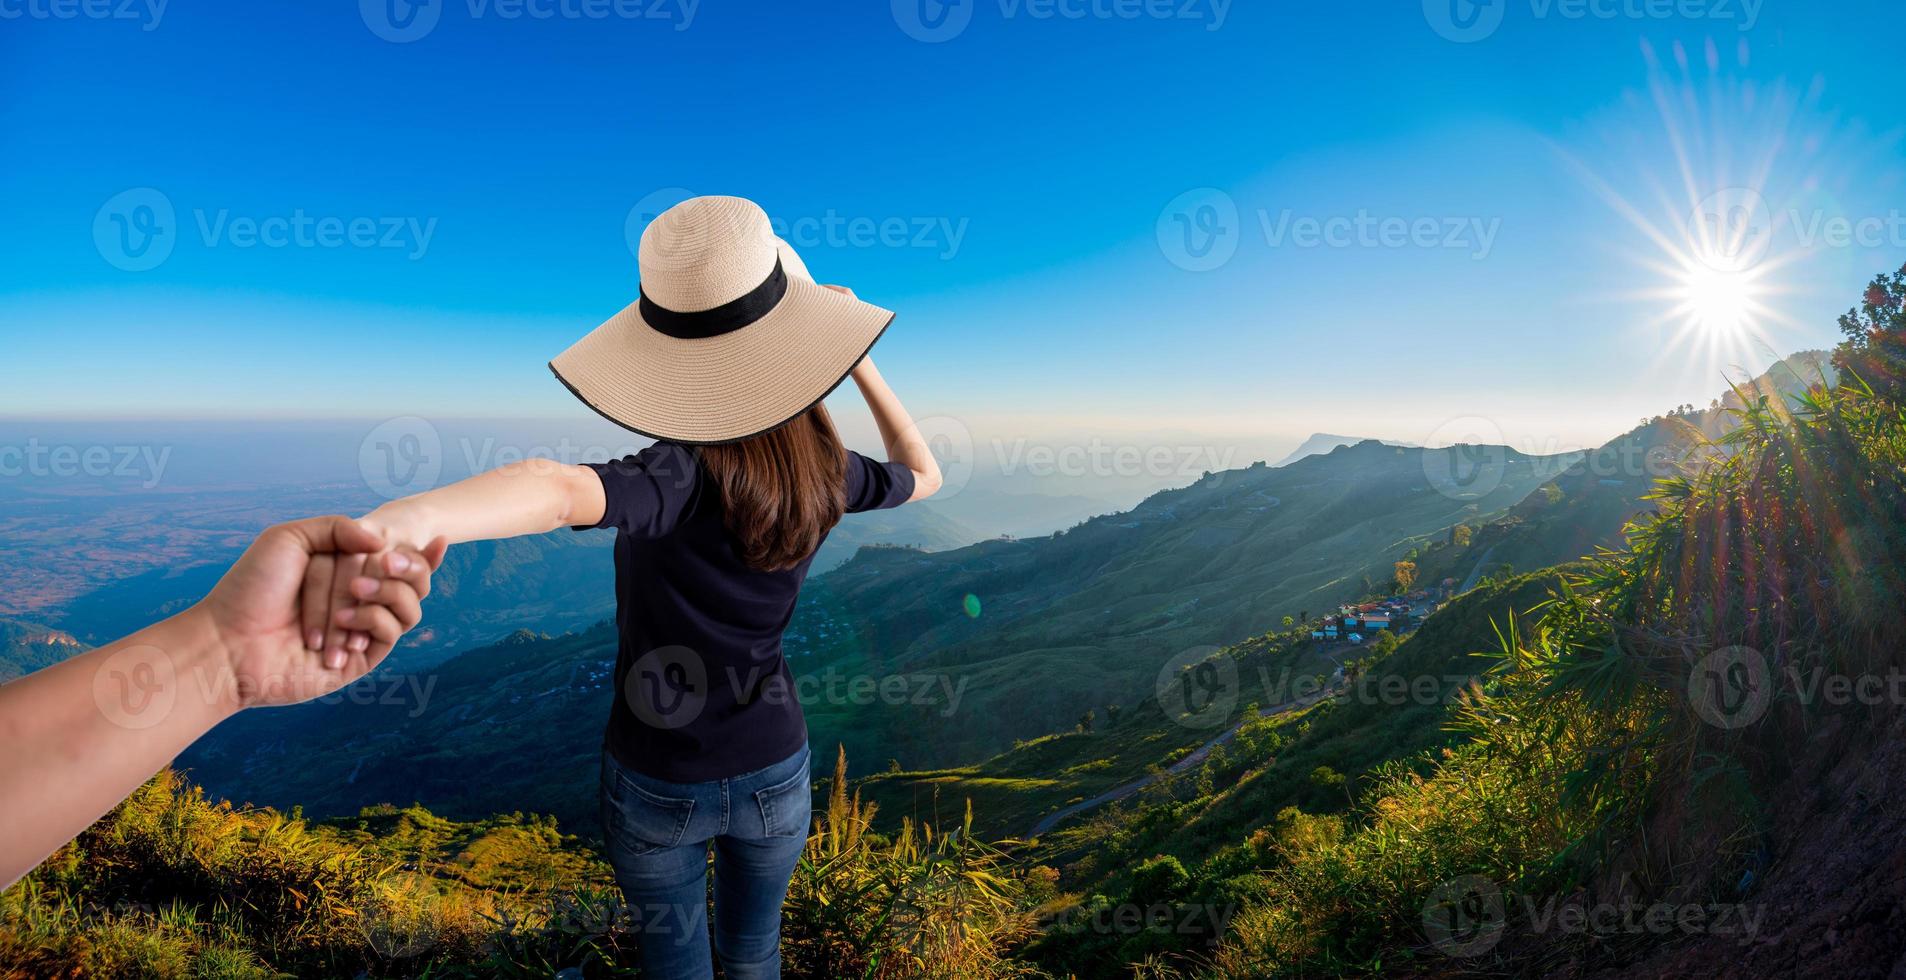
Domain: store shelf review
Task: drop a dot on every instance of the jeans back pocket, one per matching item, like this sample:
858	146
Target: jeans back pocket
641	821
787	806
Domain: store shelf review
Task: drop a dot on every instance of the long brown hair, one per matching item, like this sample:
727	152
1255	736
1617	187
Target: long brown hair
782	491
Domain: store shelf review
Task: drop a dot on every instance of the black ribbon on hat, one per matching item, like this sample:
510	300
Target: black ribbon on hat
726	318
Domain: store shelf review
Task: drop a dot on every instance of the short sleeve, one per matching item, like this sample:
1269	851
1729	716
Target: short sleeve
876	486
646	494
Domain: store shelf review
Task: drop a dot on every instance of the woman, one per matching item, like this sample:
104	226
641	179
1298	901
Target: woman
724	359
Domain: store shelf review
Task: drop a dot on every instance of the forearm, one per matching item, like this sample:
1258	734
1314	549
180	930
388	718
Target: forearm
901	437
81	735
530	497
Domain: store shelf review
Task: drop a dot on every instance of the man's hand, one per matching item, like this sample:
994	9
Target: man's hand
262	610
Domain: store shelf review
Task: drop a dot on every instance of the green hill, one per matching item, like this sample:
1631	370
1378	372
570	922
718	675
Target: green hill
27	647
1030	634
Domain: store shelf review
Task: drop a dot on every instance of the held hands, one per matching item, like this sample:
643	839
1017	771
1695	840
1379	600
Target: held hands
280	593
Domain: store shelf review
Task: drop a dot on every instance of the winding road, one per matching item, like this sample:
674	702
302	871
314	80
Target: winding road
1197	757
1476	574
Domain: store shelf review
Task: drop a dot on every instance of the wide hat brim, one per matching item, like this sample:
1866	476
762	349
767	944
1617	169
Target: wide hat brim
711	390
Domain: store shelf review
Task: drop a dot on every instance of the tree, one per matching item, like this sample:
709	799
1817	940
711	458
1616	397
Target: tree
1289	622
1326	777
1460	535
1875	345
1405	575
1086	720
1159	879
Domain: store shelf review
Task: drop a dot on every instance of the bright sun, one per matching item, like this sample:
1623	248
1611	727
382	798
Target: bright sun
1720	302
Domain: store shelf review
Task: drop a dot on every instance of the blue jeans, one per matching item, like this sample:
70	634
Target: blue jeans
658	834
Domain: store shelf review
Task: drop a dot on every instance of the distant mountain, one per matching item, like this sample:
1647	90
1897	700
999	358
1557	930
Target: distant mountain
1323	442
996	513
27	647
923	525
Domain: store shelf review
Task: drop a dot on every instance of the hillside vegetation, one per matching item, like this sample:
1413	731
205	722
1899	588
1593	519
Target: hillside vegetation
172	885
1639	745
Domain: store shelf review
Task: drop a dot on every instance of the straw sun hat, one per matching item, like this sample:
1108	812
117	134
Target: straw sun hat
730	337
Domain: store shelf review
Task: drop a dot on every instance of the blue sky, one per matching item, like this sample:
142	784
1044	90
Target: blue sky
1042	163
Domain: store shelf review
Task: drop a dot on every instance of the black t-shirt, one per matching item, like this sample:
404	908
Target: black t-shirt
702	690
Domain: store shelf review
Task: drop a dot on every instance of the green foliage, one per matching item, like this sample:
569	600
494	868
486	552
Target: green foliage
171	884
1875	345
919	904
1159	879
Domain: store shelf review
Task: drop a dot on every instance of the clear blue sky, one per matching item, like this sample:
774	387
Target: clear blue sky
1041	154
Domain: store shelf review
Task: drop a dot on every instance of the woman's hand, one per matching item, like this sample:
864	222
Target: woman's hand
344	607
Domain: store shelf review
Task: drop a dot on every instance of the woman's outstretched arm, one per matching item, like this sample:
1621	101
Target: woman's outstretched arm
528	497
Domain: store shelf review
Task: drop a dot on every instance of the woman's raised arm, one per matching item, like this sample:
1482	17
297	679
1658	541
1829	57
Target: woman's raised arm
902	438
